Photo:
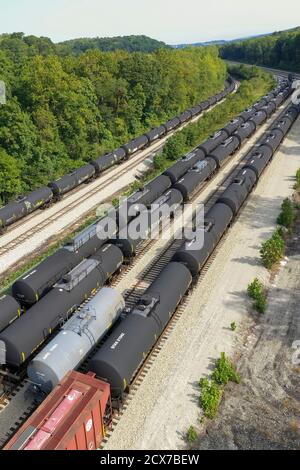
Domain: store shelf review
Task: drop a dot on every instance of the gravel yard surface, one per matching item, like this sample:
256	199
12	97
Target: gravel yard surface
264	411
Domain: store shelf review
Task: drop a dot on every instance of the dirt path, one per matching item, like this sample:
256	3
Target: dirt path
166	403
264	411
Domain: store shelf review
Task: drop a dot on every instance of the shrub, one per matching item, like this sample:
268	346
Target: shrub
191	434
257	292
210	397
255	289
212	390
272	250
287	214
260	304
225	371
233	326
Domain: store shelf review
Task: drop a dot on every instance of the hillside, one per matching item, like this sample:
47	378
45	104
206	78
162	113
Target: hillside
279	49
126	43
64	110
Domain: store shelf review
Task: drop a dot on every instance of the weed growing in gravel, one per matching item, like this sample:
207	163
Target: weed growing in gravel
225	371
212	390
255	289
286	217
272	250
191	434
257	292
210	397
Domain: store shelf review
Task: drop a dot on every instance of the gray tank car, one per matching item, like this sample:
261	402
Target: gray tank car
75	340
156	133
87	242
247	114
259	118
273	139
172	124
24	205
185	116
233	125
22	338
259	160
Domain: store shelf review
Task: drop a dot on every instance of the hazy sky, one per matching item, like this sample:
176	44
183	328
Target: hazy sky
172	21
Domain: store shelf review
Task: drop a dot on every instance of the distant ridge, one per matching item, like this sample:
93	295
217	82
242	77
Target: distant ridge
128	43
280	49
221	42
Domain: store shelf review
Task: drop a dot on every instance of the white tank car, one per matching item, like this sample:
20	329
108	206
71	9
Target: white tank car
75	339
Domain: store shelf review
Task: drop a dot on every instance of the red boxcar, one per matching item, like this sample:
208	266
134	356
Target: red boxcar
73	417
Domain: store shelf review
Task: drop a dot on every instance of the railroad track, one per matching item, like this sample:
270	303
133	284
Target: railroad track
73	205
134	292
152	271
110	176
133	295
277	72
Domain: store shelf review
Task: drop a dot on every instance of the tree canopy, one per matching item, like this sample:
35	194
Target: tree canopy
279	50
65	109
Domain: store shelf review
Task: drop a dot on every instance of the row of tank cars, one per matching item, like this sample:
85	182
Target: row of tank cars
49	293
120	354
45	195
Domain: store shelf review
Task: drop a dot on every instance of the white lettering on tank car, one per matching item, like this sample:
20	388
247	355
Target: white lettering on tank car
113	346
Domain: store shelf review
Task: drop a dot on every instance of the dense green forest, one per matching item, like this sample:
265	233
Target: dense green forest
254	84
126	43
280	49
18	43
63	110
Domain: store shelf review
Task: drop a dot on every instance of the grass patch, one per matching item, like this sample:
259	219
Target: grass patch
191	435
